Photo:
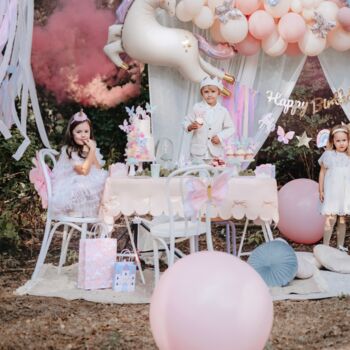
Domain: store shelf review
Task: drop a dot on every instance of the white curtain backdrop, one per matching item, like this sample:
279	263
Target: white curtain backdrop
335	66
174	96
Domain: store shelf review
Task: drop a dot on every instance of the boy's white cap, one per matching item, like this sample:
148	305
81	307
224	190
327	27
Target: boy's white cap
211	81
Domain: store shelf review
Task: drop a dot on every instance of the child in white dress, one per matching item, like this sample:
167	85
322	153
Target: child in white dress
209	122
334	184
78	179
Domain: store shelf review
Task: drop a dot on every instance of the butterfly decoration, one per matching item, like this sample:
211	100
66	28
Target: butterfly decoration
267	122
225	12
284	137
125	126
322	27
322	138
150	109
198	192
130	111
272	3
37	178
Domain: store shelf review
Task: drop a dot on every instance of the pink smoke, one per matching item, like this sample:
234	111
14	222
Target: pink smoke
68	57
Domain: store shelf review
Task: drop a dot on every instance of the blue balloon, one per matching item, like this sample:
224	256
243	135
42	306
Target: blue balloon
276	262
273	2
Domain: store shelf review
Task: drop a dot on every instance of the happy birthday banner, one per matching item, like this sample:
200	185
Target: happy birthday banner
301	107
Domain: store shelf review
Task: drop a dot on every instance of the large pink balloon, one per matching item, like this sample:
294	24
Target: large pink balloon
299	209
292	27
211	300
261	24
249	46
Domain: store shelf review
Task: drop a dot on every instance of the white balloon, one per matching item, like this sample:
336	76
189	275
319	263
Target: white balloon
279	10
274	45
308	4
204	19
296	6
235	30
339	39
328	10
308	14
181	13
311	44
212	4
193	7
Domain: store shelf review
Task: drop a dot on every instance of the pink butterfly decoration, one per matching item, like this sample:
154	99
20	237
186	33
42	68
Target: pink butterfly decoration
283	136
198	192
36	177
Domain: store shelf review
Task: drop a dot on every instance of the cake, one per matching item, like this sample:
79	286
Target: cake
140	143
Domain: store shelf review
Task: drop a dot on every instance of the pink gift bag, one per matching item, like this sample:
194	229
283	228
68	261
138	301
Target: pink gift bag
96	262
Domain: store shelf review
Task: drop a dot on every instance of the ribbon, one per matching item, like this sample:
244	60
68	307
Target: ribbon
198	192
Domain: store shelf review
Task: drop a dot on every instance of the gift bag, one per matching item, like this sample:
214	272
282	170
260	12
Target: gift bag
97	257
124	274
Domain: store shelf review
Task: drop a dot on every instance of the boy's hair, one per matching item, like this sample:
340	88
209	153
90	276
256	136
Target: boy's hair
72	146
334	130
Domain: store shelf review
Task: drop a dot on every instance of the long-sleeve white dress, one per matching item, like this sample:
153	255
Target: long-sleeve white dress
336	183
74	194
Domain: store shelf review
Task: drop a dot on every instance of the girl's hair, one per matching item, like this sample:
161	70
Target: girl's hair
72	146
334	130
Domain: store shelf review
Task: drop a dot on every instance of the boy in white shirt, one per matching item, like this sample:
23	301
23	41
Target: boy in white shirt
209	122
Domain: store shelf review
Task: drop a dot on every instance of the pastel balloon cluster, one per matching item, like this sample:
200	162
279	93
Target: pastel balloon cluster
278	27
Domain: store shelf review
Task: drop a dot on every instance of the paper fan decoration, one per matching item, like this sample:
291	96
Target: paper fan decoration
276	262
322	138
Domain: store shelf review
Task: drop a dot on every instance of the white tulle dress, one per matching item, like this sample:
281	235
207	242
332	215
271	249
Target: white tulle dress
336	183
74	194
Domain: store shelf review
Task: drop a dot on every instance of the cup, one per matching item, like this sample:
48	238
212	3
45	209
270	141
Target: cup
155	170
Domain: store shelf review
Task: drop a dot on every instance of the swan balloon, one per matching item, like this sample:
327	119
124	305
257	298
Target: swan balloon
143	38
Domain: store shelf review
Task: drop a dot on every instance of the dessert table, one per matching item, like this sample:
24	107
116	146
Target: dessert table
248	196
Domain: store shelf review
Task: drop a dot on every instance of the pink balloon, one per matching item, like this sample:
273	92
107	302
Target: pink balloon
299	210
211	300
292	27
293	49
344	18
248	6
249	46
261	24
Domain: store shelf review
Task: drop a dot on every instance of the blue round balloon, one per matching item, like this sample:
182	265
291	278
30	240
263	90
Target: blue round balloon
276	262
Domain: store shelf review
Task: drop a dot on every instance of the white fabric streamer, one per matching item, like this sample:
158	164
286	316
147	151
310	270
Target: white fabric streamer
16	77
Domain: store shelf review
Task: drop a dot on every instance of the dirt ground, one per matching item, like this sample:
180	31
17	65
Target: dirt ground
28	322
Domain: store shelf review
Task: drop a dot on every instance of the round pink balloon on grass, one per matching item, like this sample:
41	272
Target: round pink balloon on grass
299	210
211	300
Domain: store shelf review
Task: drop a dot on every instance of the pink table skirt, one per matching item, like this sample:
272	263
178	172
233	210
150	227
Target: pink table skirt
248	196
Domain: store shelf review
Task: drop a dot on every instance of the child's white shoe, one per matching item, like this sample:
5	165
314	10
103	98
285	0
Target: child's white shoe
343	249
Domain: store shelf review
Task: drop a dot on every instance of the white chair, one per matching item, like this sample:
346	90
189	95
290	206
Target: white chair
54	221
267	233
176	229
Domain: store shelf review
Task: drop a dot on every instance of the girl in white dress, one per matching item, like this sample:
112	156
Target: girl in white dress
78	179
334	184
